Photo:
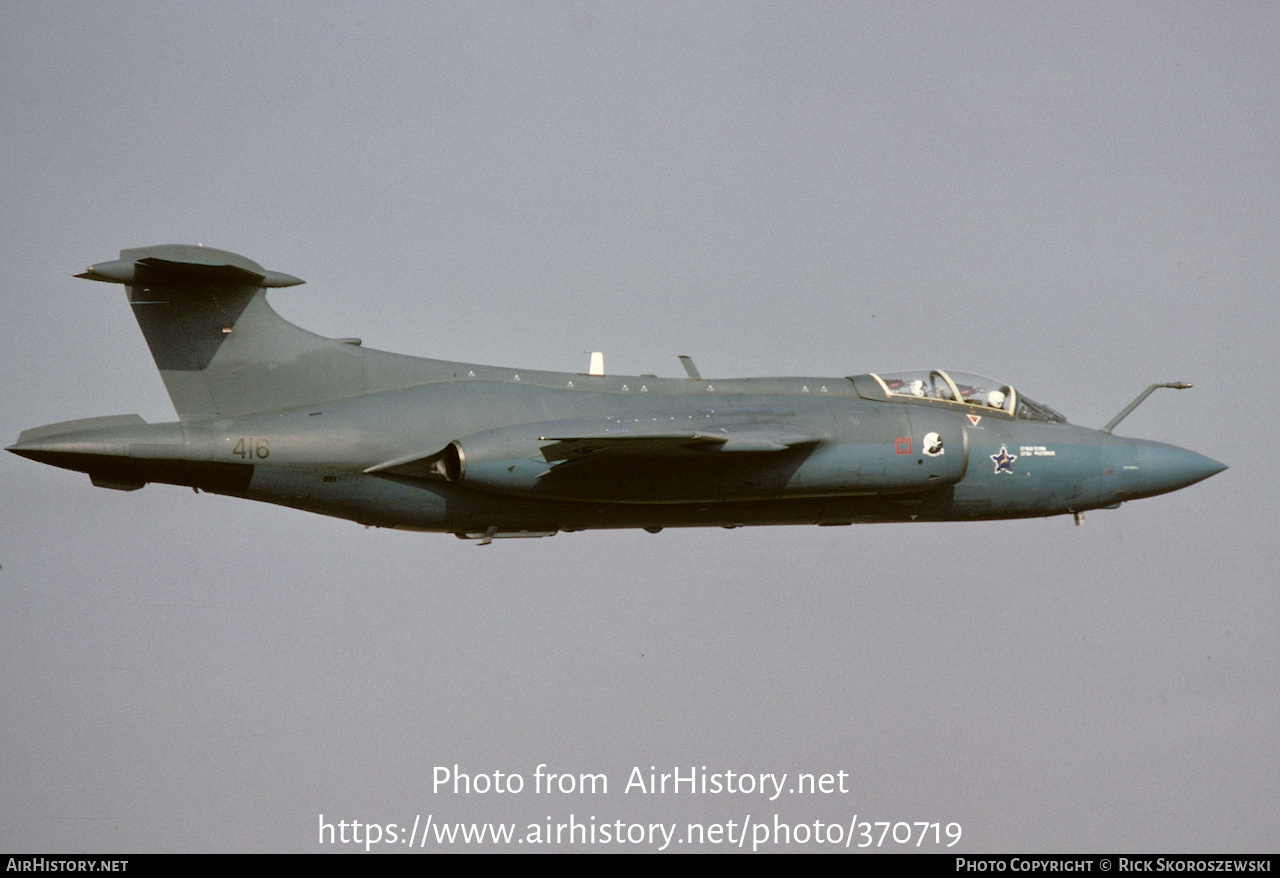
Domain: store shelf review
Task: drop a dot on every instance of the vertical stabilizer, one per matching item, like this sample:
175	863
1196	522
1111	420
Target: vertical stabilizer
220	348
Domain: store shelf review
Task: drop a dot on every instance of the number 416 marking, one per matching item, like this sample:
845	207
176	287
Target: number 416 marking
248	448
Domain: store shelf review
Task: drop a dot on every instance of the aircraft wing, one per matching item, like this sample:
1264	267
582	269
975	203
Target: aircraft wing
572	442
722	439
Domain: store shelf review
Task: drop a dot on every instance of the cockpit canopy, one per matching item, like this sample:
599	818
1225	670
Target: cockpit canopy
964	388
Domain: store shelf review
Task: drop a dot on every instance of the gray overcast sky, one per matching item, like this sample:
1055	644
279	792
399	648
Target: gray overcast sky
1079	200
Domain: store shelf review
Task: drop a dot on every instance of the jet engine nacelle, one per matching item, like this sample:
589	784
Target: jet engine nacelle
523	461
507	461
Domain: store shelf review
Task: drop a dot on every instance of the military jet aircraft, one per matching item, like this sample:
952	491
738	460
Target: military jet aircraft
271	412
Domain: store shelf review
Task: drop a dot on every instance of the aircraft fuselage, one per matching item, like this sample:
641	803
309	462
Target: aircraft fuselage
271	412
869	465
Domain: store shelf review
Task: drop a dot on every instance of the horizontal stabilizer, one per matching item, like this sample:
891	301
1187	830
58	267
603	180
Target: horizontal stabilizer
177	261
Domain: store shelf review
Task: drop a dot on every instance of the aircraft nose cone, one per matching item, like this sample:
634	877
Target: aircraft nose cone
1168	468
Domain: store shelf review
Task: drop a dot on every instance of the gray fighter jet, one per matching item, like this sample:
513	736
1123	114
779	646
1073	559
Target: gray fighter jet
271	412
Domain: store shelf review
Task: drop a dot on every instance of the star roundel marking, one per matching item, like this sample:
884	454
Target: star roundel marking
1004	461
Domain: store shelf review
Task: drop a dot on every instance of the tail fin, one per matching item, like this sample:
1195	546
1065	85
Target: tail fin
221	350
